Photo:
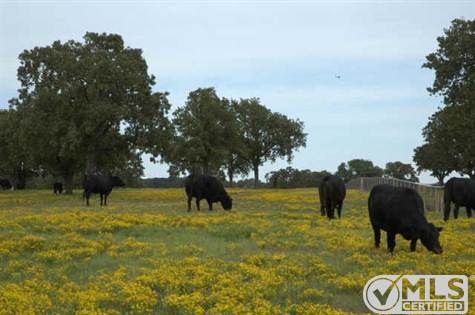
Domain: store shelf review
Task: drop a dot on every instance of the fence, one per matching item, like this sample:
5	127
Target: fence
433	196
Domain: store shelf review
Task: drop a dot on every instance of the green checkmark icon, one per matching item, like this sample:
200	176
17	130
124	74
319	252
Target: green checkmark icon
383	297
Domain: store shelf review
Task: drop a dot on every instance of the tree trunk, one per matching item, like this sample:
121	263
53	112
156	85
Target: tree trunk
231	177
91	164
205	168
440	177
256	175
21	183
21	177
68	183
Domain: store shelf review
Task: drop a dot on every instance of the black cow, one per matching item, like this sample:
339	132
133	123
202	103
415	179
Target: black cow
57	188
209	188
332	192
461	192
100	184
401	211
5	184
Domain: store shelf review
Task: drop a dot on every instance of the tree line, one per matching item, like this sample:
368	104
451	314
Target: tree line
89	107
294	178
290	177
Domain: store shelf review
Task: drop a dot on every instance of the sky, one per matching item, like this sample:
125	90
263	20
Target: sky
350	70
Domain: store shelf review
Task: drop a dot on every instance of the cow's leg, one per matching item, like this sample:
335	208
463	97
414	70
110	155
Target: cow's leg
456	211
469	212
88	195
340	205
413	244
391	241
330	210
189	204
322	208
446	210
210	204
102	198
198	204
377	236
105	198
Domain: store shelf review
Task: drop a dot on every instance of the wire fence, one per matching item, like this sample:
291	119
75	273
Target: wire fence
433	196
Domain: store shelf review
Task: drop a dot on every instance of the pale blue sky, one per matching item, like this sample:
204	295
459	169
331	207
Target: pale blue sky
286	53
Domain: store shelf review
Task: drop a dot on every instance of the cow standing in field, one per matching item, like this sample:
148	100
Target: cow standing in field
332	193
57	188
401	211
5	184
461	192
209	188
101	185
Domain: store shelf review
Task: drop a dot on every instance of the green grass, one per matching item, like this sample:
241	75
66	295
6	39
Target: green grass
274	246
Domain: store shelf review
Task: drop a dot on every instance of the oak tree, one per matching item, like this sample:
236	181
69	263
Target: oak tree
89	106
267	135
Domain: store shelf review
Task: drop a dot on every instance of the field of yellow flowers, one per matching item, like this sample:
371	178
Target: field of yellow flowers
144	254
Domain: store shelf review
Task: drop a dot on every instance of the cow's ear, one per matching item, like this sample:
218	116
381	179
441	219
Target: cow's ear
439	229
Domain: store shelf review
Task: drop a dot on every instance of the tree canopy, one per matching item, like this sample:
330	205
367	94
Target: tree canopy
294	178
358	168
89	106
267	135
401	170
16	161
205	132
431	156
450	133
454	63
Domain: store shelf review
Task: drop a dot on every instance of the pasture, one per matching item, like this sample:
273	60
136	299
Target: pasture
143	254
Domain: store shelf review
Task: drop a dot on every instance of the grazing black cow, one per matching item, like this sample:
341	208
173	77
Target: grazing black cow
332	192
461	192
100	184
401	211
209	188
57	188
5	184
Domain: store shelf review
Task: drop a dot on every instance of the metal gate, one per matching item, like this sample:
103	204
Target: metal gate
433	196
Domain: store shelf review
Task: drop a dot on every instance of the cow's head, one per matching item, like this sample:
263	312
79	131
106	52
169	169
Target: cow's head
430	238
226	201
117	182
